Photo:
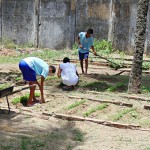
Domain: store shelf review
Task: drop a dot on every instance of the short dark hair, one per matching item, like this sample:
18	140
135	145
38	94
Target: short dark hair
90	31
53	69
66	59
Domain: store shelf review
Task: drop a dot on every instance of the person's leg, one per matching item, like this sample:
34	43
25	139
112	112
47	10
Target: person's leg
32	90
86	55
81	57
86	65
81	64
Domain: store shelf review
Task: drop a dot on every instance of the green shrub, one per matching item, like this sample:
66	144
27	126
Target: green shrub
146	65
23	99
104	46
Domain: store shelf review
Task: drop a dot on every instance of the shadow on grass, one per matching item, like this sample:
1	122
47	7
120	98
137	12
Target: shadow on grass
101	83
20	132
118	83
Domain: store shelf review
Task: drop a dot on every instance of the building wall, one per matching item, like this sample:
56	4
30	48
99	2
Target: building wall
55	24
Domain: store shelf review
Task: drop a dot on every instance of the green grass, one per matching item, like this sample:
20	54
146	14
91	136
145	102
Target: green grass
148	148
95	86
75	104
100	107
120	114
47	55
23	98
3	86
118	87
18	78
78	135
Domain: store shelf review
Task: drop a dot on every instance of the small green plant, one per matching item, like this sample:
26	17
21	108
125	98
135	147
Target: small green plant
75	46
8	43
145	89
75	104
146	65
78	136
23	99
122	113
101	107
51	78
24	143
18	78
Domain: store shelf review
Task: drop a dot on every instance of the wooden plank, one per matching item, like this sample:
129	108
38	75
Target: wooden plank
147	107
98	100
136	98
102	122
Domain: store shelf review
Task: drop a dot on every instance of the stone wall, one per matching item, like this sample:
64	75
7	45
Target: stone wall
56	23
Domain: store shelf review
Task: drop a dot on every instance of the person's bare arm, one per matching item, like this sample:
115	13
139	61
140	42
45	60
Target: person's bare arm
59	72
77	73
79	43
41	86
92	47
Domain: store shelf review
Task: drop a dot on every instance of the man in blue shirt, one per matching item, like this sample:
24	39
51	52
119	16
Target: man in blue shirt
31	67
86	42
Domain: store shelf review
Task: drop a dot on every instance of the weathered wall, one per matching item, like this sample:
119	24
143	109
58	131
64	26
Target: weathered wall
124	22
93	14
18	20
56	23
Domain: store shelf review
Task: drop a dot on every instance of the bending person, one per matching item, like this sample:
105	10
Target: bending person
31	67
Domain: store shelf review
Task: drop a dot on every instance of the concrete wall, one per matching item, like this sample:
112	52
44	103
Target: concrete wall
18	20
56	23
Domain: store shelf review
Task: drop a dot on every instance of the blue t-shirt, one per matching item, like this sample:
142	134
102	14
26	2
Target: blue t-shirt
40	67
86	42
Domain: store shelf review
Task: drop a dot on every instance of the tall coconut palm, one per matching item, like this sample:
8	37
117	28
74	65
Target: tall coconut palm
136	71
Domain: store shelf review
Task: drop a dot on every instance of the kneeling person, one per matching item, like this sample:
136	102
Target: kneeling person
68	73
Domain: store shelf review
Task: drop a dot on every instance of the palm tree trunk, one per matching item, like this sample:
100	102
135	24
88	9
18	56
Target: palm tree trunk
136	71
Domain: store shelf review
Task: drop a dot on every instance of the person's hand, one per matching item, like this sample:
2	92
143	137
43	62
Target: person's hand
81	46
94	53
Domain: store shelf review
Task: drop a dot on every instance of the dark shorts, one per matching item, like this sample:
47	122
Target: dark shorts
83	55
27	72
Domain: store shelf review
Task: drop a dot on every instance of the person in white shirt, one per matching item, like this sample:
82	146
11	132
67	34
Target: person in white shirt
68	73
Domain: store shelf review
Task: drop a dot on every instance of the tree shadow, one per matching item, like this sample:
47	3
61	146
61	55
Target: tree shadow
103	83
20	132
118	83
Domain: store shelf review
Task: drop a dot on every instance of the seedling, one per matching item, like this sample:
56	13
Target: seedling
122	113
101	107
75	104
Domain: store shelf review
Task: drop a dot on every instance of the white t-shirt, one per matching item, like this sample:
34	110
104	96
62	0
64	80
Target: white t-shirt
68	74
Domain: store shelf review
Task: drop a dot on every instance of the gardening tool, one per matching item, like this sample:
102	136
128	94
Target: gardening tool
9	91
117	66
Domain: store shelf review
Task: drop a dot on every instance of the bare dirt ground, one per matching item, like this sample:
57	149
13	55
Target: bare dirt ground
25	128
